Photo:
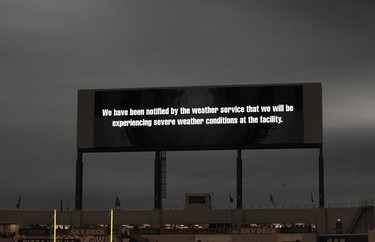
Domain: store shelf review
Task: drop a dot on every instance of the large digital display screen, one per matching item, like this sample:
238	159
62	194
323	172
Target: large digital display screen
191	118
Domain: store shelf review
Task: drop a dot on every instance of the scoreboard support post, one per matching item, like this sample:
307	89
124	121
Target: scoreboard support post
321	177
159	155
239	179
79	181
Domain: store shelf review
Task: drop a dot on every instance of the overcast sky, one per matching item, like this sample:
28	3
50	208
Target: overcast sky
50	49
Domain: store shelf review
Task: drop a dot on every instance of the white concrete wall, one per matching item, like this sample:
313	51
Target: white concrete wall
371	236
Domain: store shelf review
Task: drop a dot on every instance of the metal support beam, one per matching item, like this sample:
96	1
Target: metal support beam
158	185
239	179
321	177
79	181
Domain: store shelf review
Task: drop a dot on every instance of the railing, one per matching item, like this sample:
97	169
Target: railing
224	230
366	206
367	202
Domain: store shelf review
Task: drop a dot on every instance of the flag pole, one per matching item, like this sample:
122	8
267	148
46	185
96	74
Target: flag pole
111	234
54	225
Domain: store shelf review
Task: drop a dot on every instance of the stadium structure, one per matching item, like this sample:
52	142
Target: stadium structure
353	223
197	118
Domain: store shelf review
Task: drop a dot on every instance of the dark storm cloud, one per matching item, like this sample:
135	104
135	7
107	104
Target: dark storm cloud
49	49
